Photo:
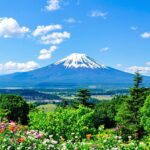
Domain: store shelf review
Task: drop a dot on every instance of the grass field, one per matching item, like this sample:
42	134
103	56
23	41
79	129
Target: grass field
47	107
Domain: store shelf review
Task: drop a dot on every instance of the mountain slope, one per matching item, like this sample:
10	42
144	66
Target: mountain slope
73	71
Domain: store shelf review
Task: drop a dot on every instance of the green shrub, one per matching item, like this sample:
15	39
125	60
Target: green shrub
105	112
145	115
67	122
104	115
16	107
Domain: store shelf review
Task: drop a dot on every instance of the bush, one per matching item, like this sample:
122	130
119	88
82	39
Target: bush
67	122
105	112
145	115
104	115
17	108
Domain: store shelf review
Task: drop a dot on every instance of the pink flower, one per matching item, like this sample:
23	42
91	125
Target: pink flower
39	136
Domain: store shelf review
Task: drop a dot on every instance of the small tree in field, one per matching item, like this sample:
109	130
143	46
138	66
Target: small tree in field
83	96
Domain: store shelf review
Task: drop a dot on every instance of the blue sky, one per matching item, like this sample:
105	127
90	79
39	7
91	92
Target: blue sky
36	33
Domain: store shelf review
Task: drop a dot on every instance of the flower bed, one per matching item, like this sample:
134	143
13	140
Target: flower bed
18	137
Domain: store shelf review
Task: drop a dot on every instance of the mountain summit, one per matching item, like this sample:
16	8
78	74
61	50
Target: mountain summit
77	60
76	70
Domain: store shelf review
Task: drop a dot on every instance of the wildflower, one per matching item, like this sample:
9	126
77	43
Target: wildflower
39	136
129	137
50	136
2	130
12	123
20	140
115	148
32	131
88	136
9	147
11	128
54	142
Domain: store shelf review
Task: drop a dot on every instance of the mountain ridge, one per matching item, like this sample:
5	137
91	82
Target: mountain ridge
75	70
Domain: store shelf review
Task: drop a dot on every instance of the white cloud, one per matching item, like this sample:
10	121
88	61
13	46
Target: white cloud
147	63
11	67
104	49
46	54
96	13
55	38
53	5
9	27
142	69
71	20
42	30
145	35
119	65
134	28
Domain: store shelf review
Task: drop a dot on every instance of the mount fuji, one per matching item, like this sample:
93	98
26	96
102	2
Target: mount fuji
76	70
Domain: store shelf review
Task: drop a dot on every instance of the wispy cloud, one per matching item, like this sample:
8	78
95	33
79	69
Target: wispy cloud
147	63
55	38
142	69
134	28
97	13
42	30
119	65
71	20
9	27
104	49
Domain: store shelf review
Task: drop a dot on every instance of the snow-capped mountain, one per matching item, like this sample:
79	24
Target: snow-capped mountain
76	70
77	60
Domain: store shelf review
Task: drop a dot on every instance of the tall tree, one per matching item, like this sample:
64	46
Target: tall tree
129	112
83	96
137	80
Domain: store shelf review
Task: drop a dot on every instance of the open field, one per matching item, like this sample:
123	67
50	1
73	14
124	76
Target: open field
47	107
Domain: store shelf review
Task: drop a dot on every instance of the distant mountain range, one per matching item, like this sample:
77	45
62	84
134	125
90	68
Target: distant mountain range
76	70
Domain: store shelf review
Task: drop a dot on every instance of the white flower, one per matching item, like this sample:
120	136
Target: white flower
54	142
9	147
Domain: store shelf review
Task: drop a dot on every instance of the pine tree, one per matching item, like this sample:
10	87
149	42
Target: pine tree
137	80
129	113
83	96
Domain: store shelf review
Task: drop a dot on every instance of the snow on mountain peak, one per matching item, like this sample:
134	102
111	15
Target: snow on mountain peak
77	60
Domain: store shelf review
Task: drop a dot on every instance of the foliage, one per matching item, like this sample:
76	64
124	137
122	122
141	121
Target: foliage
104	115
83	96
3	114
105	112
129	112
16	107
65	122
145	115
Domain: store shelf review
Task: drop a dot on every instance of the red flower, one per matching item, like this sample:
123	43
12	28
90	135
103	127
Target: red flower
20	140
